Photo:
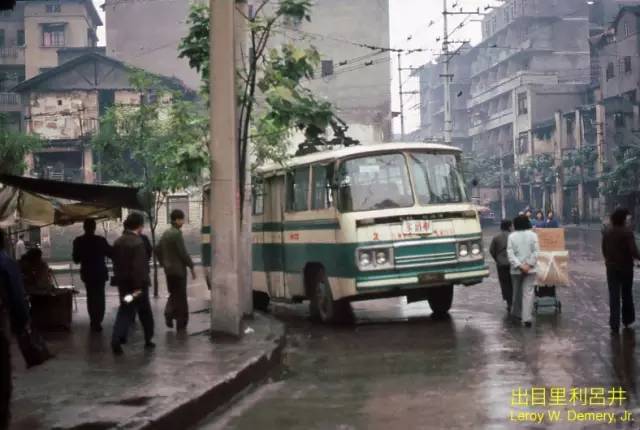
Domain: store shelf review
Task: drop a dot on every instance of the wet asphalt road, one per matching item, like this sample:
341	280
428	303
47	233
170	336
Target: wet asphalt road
397	368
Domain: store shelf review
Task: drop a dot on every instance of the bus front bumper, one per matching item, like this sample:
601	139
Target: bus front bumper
403	281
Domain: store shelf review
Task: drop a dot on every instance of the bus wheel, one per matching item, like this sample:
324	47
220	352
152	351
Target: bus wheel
326	310
261	301
440	299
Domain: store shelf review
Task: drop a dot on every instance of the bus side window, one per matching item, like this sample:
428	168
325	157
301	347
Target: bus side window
258	196
298	189
321	190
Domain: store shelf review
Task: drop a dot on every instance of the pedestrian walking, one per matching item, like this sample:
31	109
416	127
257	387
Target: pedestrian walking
619	250
498	250
551	221
132	279
174	258
21	247
91	252
522	250
575	214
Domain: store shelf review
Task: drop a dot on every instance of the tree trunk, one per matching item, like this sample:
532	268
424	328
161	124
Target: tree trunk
155	259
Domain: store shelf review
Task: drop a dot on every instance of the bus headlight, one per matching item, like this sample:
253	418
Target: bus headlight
476	249
375	259
381	258
364	259
463	251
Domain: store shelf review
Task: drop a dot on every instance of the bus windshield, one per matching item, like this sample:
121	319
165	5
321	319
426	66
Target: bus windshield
437	178
374	182
382	181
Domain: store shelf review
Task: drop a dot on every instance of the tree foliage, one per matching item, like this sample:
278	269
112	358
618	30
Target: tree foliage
14	147
158	145
539	169
621	178
580	165
273	101
486	170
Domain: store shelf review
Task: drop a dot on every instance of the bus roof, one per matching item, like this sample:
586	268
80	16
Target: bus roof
357	150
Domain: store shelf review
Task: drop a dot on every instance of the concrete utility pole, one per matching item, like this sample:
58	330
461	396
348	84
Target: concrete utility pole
226	312
503	210
402	132
448	125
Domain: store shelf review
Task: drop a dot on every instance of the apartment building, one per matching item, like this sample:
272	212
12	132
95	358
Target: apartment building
31	35
146	33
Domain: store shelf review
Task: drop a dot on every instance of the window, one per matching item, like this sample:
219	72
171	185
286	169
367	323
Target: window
1	38
298	190
523	143
626	29
257	191
610	74
53	8
20	38
321	193
619	119
374	182
627	64
178	202
327	68
523	109
53	35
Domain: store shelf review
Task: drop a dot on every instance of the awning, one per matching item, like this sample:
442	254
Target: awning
41	202
103	196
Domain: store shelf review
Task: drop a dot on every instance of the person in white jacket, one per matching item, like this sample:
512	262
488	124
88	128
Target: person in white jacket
522	250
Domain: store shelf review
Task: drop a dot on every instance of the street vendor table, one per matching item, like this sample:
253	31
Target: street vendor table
52	311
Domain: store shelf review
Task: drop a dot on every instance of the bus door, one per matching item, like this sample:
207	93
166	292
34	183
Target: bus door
273	227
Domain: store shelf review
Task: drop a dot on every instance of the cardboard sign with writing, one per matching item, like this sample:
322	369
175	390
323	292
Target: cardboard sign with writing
551	239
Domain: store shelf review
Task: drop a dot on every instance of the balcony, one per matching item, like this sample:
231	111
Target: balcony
10	102
495	120
12	56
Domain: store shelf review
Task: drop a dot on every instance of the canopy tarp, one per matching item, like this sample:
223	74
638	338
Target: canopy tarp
41	202
104	196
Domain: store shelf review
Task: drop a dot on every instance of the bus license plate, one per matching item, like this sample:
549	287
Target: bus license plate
427	278
416	227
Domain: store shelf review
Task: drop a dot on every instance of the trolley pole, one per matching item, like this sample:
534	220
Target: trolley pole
226	311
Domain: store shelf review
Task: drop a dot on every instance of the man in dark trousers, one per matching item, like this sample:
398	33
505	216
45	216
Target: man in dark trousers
619	250
91	252
131	275
175	259
498	250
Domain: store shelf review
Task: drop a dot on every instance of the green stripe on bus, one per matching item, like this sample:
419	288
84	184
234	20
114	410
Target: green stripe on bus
338	260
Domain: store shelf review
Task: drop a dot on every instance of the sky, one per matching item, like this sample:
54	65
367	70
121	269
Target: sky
413	24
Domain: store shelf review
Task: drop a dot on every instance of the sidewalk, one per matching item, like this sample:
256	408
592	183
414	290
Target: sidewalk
184	379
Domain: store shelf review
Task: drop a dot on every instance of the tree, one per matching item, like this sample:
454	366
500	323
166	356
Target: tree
621	178
158	145
14	147
277	73
540	169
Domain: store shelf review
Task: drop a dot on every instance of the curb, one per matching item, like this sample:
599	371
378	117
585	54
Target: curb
194	410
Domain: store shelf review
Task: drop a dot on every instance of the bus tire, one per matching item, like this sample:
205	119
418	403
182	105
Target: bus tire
440	300
261	301
323	308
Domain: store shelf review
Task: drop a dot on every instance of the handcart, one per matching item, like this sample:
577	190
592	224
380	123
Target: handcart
552	269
